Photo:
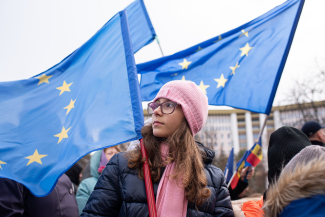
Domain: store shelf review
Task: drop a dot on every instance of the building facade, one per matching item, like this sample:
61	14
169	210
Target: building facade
240	129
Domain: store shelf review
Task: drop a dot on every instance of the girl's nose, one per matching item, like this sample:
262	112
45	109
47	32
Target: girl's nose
158	111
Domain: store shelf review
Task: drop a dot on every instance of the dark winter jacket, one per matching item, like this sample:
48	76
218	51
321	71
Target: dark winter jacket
120	192
17	201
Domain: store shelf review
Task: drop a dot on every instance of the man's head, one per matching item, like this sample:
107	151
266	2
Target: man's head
314	131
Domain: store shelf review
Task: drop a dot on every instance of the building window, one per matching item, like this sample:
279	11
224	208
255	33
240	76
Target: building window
242	145
221	136
242	136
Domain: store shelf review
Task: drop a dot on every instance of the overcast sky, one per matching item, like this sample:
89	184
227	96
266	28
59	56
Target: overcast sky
37	34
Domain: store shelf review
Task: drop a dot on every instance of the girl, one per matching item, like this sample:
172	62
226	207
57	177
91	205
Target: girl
185	183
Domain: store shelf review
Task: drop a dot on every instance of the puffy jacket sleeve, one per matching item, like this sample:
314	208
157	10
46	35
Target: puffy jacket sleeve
106	198
223	205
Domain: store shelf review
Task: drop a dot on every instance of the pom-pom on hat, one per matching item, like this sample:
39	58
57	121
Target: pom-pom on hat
192	99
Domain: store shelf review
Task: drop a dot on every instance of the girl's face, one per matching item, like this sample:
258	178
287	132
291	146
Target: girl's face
109	152
165	125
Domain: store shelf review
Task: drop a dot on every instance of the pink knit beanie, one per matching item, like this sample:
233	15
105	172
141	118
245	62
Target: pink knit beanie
192	99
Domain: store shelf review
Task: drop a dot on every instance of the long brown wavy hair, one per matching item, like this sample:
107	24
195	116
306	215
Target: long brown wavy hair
186	155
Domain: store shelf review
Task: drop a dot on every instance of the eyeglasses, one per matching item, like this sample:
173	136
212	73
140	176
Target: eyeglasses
166	107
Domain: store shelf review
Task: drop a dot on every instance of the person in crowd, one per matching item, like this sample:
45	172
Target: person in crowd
185	183
285	143
315	132
17	201
74	174
97	163
241	189
300	189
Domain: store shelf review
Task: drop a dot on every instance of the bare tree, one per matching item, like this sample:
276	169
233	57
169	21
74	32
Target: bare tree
307	95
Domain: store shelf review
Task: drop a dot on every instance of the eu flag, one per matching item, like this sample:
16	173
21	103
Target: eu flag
141	29
89	101
229	170
241	68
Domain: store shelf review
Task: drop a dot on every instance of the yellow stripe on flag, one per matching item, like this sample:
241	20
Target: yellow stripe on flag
257	151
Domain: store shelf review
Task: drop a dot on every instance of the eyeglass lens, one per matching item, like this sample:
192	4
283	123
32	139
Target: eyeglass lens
166	107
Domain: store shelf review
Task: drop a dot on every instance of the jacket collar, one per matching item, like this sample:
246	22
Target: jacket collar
207	153
314	142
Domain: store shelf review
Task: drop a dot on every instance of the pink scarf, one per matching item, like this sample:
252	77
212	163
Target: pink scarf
171	199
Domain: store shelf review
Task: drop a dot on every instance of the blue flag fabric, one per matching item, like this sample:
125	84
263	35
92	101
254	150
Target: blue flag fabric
141	29
241	68
243	159
229	170
89	101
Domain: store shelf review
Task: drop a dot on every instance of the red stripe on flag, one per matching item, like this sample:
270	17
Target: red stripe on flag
253	159
234	181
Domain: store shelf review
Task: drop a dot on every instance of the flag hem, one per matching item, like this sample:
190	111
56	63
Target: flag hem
132	76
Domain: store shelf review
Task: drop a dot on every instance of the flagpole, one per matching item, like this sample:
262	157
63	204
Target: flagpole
262	128
233	175
258	138
156	37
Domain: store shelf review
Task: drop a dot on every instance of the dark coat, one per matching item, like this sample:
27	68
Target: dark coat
17	201
120	192
314	142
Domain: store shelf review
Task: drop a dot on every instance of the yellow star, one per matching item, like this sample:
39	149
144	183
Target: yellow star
70	106
234	68
1	162
43	79
245	50
199	49
184	64
244	33
35	158
219	39
63	134
221	81
64	87
183	78
203	87
174	74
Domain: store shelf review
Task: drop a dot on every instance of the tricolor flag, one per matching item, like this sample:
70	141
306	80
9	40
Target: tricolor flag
255	156
240	165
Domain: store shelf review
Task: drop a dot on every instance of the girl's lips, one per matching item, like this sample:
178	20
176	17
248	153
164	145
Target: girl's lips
157	123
